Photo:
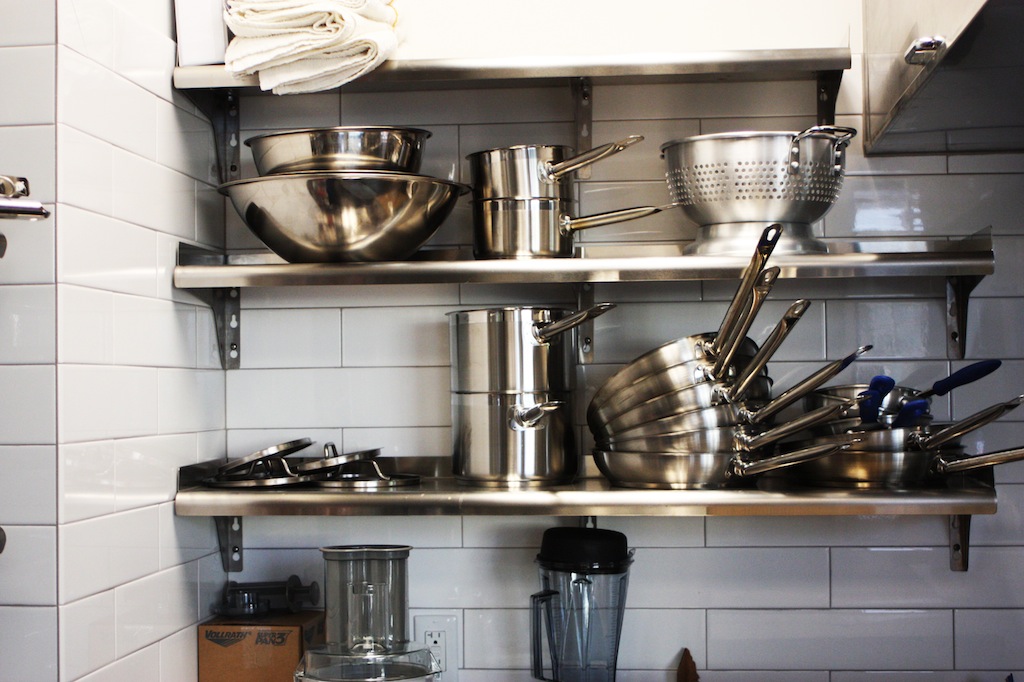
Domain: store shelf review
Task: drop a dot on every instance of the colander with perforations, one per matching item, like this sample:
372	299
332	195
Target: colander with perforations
733	184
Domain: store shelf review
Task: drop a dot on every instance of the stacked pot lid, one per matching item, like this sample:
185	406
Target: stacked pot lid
523	199
269	468
698	412
342	194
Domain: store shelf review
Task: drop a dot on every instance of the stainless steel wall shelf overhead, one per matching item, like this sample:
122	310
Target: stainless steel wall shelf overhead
962	262
441	495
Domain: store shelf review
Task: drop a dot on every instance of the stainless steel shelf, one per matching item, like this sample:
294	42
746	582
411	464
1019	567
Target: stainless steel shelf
589	497
797	64
866	259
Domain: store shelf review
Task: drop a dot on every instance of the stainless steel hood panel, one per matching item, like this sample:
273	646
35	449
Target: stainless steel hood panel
968	98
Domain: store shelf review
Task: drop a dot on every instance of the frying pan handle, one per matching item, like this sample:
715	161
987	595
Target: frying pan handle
975	421
962	377
553	329
944	466
744	467
804	421
804	387
551	172
762	287
726	332
567	224
746	376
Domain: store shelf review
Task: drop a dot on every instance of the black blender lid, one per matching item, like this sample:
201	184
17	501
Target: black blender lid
584	550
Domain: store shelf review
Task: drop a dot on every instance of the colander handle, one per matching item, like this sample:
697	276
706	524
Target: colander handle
842	136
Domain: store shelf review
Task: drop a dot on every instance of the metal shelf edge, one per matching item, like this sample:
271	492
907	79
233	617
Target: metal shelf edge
679	268
586	499
455	73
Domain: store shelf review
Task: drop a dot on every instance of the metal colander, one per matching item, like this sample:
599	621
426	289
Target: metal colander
758	177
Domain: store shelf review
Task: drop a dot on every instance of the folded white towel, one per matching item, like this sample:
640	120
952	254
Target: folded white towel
334	67
267	17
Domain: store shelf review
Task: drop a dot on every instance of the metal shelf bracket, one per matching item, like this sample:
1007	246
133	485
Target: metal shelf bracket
221	107
959	541
229	537
958	294
224	302
828	83
585	331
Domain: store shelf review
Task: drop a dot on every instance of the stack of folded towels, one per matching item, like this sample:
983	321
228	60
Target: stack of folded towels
308	45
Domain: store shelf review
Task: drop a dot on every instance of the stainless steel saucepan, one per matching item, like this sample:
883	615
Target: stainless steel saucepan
539	227
515	349
707	470
534	171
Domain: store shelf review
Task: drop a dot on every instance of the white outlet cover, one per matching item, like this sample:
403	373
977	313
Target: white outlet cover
449	624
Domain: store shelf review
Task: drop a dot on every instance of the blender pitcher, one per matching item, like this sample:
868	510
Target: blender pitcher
584	573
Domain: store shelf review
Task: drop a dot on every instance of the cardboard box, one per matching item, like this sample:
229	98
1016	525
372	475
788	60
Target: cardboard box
257	649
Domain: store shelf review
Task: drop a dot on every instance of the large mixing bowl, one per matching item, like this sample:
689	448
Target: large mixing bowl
354	216
378	148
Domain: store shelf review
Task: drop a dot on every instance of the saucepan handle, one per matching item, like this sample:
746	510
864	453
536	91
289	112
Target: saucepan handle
553	171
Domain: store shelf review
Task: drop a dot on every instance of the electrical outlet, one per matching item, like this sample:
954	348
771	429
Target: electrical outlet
440	634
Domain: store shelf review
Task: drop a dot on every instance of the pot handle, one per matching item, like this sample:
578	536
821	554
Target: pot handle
522	418
802	388
567	224
957	429
553	329
842	136
551	172
944	466
537	600
740	466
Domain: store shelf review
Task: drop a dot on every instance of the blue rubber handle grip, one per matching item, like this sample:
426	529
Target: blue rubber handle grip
911	412
883	384
869	407
965	376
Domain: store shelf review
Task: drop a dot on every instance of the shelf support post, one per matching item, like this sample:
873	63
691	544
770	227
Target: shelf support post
225	304
229	537
959	541
585	331
582	95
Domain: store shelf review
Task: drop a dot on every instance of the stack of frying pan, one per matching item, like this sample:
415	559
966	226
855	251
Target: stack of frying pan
893	441
698	412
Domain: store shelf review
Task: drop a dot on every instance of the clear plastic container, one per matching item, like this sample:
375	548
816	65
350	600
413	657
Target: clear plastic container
334	664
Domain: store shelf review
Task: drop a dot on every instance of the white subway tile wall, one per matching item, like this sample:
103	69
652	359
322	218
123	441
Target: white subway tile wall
110	380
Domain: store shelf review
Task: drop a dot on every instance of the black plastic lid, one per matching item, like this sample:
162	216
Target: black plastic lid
584	550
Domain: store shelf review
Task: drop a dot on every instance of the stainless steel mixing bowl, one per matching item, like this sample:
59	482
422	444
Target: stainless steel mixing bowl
378	148
354	216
